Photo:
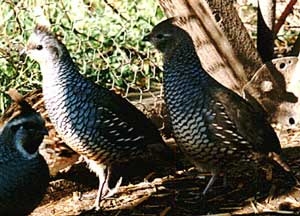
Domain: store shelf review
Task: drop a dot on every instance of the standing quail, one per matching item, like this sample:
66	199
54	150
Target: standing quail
214	127
24	173
96	123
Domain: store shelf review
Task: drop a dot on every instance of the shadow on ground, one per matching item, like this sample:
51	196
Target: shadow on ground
162	191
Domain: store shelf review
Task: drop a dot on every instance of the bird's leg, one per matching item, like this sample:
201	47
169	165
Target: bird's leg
111	192
101	188
225	183
210	183
104	191
256	183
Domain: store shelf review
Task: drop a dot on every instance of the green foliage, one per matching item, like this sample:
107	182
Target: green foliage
103	37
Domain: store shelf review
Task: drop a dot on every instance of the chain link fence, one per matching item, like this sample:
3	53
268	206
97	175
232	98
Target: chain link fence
103	37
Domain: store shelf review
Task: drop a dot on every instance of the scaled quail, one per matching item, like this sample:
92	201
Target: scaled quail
214	127
24	173
101	126
57	153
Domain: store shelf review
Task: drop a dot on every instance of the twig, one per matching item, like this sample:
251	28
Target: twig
165	211
115	10
296	47
74	30
288	9
13	7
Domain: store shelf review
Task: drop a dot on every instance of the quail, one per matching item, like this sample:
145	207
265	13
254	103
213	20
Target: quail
213	126
98	124
24	172
60	155
35	99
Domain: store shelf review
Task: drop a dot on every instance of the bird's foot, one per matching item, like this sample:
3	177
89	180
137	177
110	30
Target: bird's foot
96	206
114	190
105	193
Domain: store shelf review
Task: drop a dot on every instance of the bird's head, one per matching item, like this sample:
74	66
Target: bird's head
28	132
43	46
25	130
167	36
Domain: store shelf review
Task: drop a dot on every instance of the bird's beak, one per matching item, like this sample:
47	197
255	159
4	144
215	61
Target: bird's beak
44	131
146	38
23	52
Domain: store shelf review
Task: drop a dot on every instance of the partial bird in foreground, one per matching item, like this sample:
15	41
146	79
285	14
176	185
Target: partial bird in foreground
214	127
96	123
24	172
57	154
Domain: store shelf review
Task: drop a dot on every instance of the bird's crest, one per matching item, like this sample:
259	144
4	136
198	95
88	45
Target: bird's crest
45	30
23	106
15	95
42	29
19	99
178	21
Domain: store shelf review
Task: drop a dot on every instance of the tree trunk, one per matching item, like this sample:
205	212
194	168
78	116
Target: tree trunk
213	48
237	35
227	52
265	27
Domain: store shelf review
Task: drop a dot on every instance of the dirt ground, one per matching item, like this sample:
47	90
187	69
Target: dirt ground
152	190
162	191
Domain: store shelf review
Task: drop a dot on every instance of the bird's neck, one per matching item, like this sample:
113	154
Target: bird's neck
183	71
61	80
60	72
63	89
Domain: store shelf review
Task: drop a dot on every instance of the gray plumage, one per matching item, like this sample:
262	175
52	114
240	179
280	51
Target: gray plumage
93	121
213	126
24	173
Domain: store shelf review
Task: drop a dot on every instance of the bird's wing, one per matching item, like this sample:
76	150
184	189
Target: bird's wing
6	154
248	121
111	122
128	114
123	123
113	110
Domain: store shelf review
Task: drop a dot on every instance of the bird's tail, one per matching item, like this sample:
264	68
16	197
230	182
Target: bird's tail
278	159
162	151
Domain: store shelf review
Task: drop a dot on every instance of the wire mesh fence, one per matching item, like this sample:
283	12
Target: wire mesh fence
103	37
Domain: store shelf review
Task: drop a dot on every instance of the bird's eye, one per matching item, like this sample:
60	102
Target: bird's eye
159	36
14	128
39	47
